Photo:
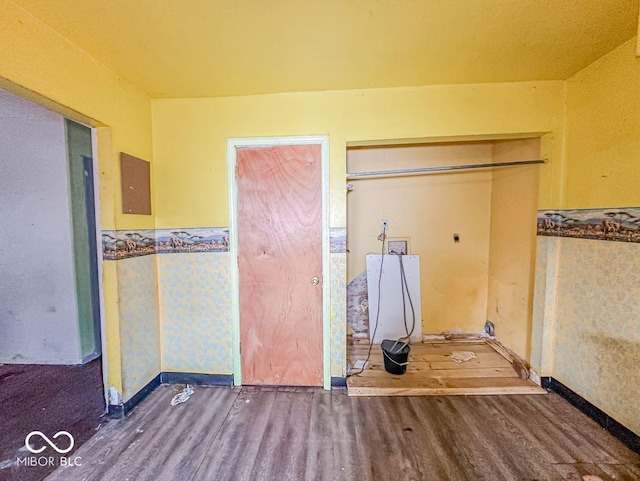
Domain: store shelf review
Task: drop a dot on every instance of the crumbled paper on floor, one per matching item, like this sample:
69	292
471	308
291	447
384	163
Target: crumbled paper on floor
462	356
182	396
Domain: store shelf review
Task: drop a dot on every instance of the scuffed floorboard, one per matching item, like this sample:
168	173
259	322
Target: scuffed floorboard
299	434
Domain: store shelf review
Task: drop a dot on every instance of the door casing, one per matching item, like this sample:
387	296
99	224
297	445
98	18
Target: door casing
232	144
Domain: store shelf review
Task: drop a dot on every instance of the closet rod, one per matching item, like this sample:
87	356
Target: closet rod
428	170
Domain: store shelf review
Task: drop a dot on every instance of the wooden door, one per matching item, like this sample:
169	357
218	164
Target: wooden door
279	255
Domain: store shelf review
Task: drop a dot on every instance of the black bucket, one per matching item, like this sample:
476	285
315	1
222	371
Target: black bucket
396	356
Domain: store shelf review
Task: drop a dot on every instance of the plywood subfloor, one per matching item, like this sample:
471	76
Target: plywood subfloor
431	372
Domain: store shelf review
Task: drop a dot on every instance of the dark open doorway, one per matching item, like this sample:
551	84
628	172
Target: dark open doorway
51	376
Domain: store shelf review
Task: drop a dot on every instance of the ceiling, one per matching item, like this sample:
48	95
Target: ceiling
211	48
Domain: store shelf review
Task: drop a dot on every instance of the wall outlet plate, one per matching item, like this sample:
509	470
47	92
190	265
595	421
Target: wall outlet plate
490	328
384	224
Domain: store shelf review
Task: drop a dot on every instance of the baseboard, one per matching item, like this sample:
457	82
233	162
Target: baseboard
338	382
196	379
120	411
624	434
115	411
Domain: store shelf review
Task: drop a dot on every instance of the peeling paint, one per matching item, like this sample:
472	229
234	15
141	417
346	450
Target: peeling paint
357	306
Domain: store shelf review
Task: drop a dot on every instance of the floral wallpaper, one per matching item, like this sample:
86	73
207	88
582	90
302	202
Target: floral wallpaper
338	295
190	294
597	325
139	329
195	299
586	326
542	329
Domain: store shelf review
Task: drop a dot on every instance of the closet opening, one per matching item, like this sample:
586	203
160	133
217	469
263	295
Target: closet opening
462	217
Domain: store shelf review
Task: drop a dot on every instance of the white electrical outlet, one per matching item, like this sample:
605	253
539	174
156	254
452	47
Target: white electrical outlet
384	224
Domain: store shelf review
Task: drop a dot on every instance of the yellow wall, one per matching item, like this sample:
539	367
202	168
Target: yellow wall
190	134
189	169
512	246
190	141
190	138
594	165
589	309
35	57
602	163
36	62
428	210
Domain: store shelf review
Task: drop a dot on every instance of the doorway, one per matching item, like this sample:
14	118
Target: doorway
51	375
279	252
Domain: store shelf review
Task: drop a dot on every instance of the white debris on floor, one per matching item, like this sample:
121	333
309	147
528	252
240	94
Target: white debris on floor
182	396
360	364
462	356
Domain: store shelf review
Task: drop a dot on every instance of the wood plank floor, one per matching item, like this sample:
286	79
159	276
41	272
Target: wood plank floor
431	372
311	434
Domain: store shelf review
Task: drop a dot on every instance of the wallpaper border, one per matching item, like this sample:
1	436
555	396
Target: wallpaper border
619	224
338	239
125	244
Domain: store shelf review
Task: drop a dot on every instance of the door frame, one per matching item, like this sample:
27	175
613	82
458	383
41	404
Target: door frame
232	143
96	138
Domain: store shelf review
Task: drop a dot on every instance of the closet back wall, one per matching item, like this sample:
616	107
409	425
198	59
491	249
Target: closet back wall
428	210
488	274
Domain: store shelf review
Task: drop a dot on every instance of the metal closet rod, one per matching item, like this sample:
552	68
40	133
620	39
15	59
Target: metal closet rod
446	168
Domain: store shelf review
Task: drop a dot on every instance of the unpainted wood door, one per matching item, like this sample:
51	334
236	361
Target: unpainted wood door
279	255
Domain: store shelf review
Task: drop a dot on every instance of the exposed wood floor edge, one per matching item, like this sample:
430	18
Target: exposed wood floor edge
448	391
495	370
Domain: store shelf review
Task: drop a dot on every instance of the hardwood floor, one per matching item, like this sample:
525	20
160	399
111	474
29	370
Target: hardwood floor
431	372
311	434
